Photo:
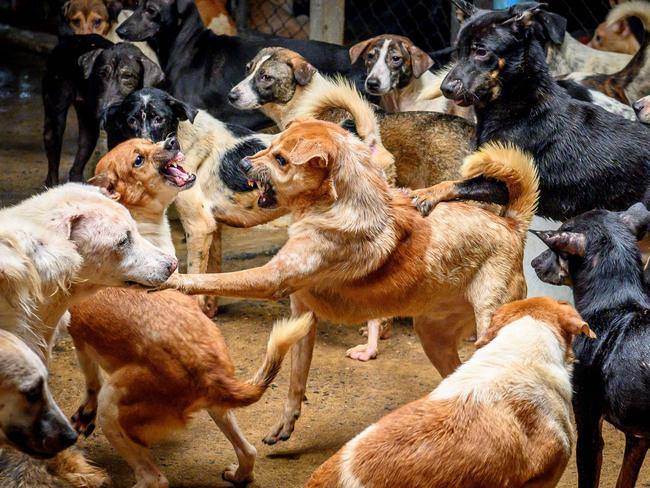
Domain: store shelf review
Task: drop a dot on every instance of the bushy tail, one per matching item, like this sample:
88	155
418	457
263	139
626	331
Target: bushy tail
639	9
340	94
507	163
285	334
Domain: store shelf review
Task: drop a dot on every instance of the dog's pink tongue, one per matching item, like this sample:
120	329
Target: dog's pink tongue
179	176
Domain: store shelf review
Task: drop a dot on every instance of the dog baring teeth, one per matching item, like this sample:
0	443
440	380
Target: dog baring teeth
176	173
267	196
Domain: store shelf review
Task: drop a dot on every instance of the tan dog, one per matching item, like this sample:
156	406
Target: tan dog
165	360
87	16
504	418
359	250
616	37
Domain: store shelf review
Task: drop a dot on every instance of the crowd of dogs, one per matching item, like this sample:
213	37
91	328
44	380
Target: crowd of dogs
418	207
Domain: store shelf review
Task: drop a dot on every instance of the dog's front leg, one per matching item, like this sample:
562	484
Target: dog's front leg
88	135
301	355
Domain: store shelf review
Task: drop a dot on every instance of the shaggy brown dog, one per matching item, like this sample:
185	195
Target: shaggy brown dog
359	250
504	418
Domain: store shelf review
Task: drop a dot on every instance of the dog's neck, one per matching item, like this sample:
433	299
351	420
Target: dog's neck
406	98
153	225
282	113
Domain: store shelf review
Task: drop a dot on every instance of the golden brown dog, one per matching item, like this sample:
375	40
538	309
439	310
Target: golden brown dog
164	358
359	250
503	419
87	16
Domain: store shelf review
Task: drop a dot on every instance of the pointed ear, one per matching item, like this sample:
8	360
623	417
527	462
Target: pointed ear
466	8
560	241
87	61
153	75
420	61
106	183
181	109
358	49
637	219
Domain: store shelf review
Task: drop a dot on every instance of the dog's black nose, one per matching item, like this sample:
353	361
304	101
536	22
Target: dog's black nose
233	96
246	165
637	106
373	84
171	144
451	88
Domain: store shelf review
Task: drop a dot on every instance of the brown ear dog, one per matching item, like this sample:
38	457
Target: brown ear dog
164	358
359	250
87	16
504	418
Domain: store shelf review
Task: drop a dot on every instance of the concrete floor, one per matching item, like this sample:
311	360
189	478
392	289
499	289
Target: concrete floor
343	396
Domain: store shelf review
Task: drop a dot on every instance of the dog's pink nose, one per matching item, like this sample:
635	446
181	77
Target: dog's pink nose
173	265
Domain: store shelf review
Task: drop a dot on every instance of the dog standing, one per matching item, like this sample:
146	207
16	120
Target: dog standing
597	254
513	395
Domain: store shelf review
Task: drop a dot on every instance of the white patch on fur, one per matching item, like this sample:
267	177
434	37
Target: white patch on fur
248	98
347	479
380	70
612	105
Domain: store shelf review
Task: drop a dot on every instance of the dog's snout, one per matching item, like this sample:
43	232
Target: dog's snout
451	88
246	164
56	433
173	265
171	143
373	84
121	31
234	95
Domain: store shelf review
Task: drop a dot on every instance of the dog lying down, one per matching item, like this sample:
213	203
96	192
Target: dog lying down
164	358
358	249
504	418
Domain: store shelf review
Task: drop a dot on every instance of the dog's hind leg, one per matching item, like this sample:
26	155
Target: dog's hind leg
210	303
84	419
440	338
364	352
636	449
245	451
88	135
56	103
301	355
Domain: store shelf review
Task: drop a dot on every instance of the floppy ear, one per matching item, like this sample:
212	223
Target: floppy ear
87	61
573	243
106	183
637	219
554	26
303	72
466	8
357	50
310	152
420	61
575	325
181	109
153	75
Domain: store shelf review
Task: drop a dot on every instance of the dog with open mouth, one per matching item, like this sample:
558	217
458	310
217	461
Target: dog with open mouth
358	250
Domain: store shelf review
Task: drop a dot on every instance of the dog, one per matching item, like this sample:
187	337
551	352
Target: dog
597	254
513	394
140	403
358	250
641	110
397	71
87	16
616	37
586	157
90	73
202	67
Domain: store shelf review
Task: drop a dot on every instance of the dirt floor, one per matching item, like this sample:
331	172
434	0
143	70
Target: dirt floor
344	396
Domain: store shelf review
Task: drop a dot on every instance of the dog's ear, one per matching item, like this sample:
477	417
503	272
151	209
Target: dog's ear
153	75
106	183
87	61
303	72
576	326
465	8
525	15
312	152
181	109
637	219
358	49
554	26
420	61
573	243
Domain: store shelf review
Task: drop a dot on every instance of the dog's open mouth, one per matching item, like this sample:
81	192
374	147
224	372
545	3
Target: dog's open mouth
267	198
175	174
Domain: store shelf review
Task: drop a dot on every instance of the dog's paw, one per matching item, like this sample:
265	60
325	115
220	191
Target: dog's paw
235	476
362	352
424	201
84	422
209	304
282	430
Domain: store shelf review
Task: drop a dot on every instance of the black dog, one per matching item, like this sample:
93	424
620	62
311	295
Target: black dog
201	67
90	73
586	157
597	255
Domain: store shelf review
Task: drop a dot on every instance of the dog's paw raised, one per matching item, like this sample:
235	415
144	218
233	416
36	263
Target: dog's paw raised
84	422
424	201
235	476
362	352
282	430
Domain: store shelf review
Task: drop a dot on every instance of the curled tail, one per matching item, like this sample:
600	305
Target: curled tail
285	333
515	168
639	9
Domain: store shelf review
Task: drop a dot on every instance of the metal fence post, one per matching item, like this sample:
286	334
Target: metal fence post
326	20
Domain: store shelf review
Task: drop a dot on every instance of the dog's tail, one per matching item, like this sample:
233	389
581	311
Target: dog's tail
515	168
639	9
341	94
285	334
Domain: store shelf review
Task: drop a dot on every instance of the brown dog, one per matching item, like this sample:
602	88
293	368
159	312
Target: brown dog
165	360
359	250
504	418
87	16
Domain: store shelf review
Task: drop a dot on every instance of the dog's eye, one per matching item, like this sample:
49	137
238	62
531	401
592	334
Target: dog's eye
371	55
125	240
480	52
132	121
96	22
76	22
139	161
281	161
151	11
266	78
396	59
34	393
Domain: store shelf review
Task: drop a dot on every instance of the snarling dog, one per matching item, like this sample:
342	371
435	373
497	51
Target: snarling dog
358	250
586	157
89	73
162	366
87	16
397	71
597	254
513	394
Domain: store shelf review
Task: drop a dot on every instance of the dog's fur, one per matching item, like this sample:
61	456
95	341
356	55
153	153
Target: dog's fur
201	66
641	109
587	158
164	359
90	73
397	71
513	395
214	15
597	254
616	37
87	16
358	250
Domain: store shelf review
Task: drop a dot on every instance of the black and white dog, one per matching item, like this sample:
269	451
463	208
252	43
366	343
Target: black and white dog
201	67
597	254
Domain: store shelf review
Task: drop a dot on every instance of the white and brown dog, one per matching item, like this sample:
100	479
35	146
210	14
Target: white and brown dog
504	418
